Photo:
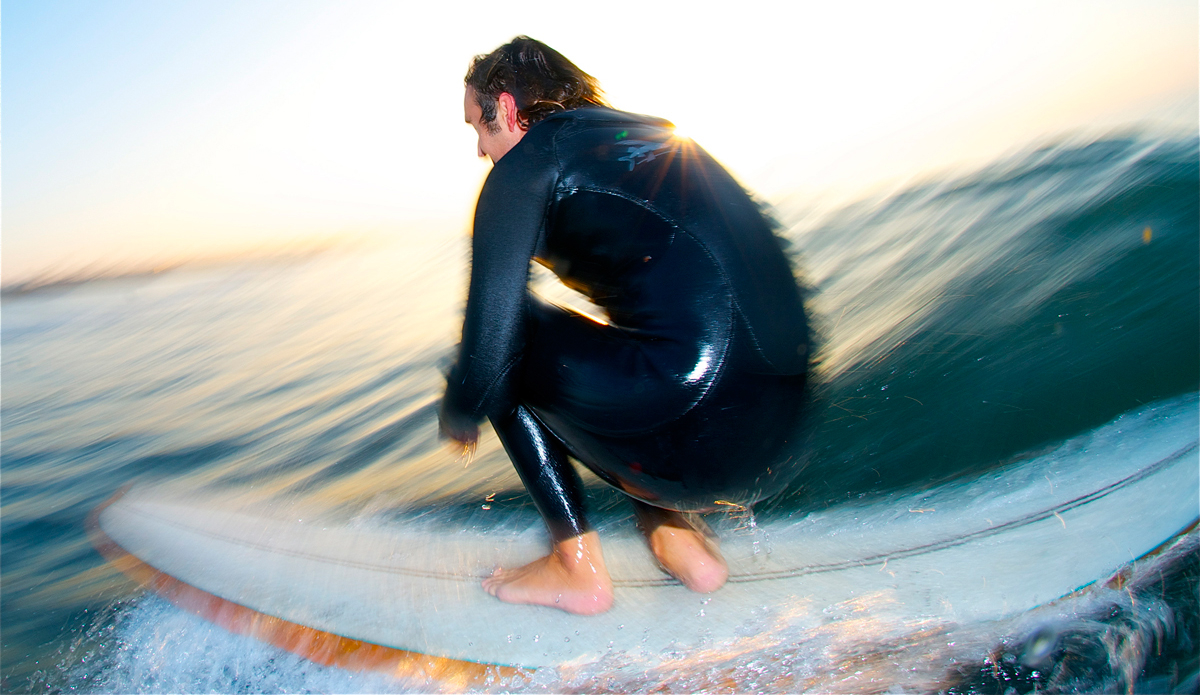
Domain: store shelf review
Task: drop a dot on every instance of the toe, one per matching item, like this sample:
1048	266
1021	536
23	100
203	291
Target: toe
708	578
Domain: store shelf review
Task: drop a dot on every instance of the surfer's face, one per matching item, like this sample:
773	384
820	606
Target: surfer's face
494	141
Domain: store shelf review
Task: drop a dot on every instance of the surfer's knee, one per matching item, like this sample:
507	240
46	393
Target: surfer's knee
542	463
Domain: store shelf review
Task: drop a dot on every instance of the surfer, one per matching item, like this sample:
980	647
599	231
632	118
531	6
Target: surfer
688	397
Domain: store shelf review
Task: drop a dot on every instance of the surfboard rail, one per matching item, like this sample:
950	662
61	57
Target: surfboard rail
318	646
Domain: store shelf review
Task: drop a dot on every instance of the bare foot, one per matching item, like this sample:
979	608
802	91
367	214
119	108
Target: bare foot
684	547
572	578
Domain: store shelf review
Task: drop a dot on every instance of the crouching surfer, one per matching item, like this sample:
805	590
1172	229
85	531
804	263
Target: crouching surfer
688	398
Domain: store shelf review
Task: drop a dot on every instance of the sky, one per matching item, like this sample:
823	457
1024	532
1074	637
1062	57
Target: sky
139	132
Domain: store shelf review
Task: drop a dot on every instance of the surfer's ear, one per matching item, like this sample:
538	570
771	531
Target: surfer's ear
506	112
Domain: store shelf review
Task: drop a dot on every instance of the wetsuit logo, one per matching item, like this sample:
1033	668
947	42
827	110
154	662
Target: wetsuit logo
640	151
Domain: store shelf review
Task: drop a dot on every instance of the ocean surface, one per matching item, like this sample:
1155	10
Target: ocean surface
963	322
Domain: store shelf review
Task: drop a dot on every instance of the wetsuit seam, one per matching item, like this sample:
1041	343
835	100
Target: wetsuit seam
754	339
719	371
605	115
601	115
476	413
648	207
554	153
726	281
555	191
735	305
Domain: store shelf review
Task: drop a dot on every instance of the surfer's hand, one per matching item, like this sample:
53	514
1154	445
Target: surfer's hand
454	427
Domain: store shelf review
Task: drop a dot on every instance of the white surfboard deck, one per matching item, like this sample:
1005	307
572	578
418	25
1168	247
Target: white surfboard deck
983	549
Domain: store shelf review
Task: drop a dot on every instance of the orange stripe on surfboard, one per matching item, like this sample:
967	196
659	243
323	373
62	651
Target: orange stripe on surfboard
325	648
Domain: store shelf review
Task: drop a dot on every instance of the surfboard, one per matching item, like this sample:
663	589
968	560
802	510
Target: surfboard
404	596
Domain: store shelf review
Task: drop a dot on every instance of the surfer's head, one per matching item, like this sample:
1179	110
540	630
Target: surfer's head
540	80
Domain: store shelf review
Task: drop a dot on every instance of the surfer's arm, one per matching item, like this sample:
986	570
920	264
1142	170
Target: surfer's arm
508	220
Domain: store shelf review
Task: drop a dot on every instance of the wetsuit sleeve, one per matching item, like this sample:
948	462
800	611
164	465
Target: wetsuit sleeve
508	222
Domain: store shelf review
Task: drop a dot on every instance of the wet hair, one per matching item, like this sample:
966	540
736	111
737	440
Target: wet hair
540	79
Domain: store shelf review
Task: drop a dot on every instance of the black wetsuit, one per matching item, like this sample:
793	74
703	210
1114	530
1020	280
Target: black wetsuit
689	398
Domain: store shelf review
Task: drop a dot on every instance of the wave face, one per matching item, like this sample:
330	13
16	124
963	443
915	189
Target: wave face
968	321
964	323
